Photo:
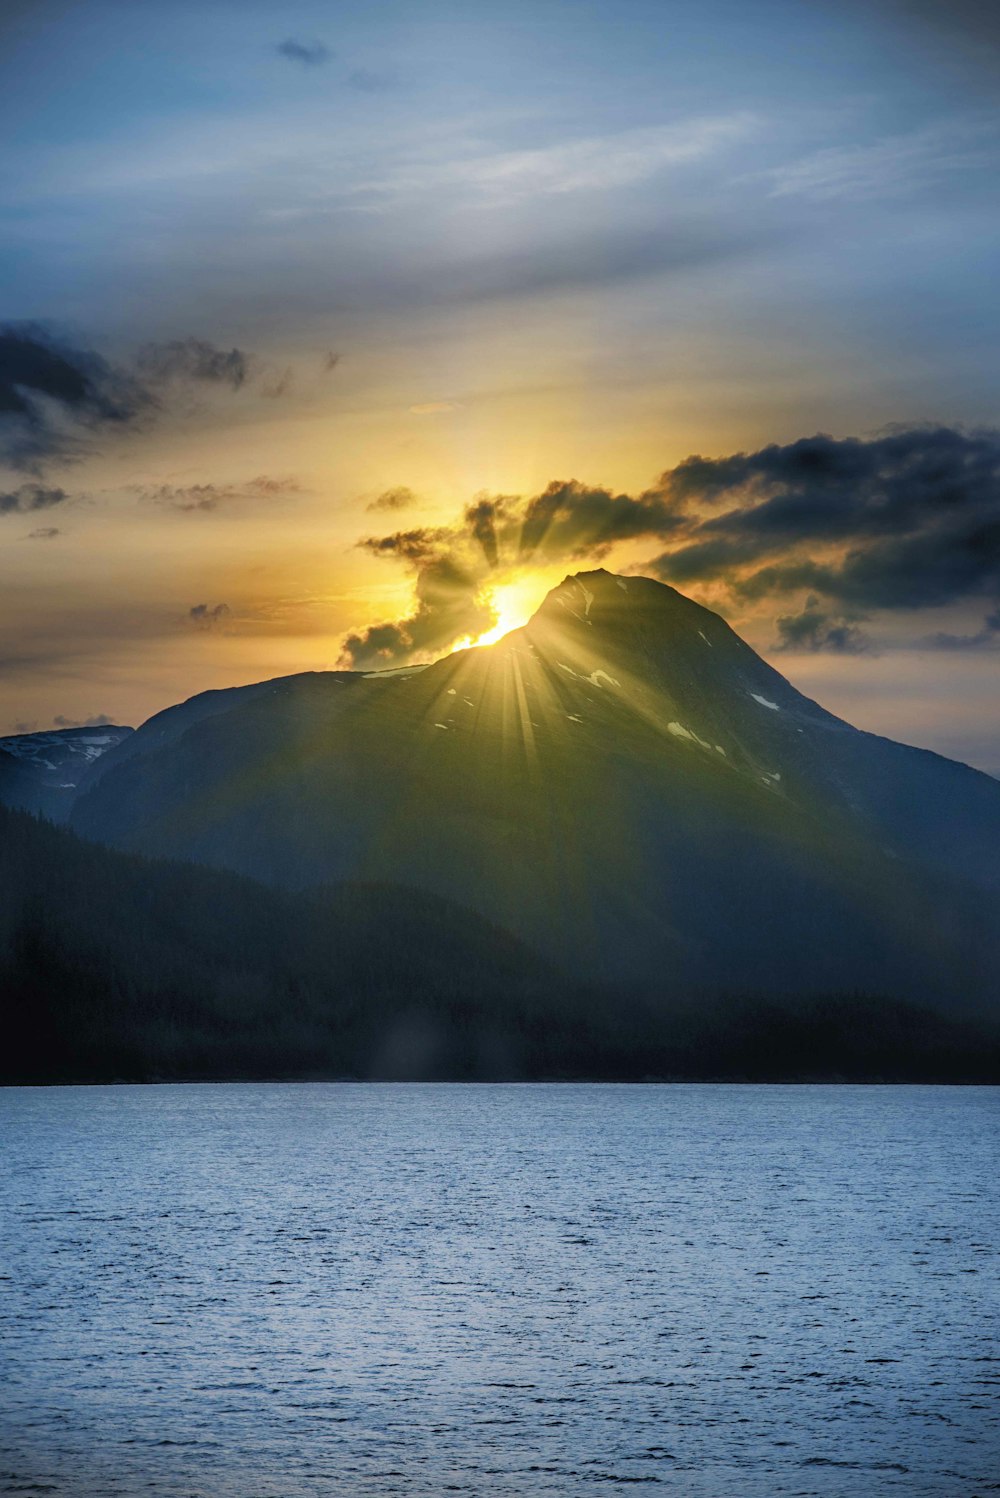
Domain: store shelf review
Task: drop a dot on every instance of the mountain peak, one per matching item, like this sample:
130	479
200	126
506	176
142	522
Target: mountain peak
618	600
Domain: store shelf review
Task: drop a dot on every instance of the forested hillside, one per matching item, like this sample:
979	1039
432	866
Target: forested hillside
115	967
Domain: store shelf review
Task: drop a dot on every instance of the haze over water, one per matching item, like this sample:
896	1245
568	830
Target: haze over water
374	1289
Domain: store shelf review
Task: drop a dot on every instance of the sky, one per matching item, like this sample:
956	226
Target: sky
336	334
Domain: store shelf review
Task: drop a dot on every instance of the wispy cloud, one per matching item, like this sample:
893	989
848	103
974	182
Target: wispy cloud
193	498
894	165
195	359
396	499
597	163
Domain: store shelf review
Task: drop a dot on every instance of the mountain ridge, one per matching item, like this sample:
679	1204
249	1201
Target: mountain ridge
622	783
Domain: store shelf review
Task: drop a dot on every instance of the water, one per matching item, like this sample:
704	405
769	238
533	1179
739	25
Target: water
273	1291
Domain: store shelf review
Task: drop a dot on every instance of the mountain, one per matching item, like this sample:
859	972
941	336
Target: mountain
43	771
623	784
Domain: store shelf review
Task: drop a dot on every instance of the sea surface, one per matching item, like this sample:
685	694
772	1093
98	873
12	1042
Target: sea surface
268	1291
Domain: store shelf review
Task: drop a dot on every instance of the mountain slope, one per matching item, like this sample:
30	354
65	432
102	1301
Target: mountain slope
623	783
114	967
43	771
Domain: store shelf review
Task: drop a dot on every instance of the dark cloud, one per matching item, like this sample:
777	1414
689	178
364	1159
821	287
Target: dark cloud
29	498
309	54
55	398
330	361
448	608
44	533
33	364
195	359
481	518
815	629
203	617
399	498
51	394
422	545
574	521
907	520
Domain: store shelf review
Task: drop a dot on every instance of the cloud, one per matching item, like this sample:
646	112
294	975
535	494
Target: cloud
399	498
203	617
575	521
195	359
309	54
30	498
99	720
890	166
495	537
56	398
904	521
591	164
52	394
420	545
330	361
449	607
985	638
434	408
207	497
815	629
44	533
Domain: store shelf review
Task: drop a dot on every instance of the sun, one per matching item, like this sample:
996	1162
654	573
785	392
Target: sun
514	604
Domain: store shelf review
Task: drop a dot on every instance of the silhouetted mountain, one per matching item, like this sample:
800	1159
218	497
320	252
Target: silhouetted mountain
43	771
116	967
623	784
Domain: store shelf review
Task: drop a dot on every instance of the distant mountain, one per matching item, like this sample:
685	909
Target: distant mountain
43	771
623	784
